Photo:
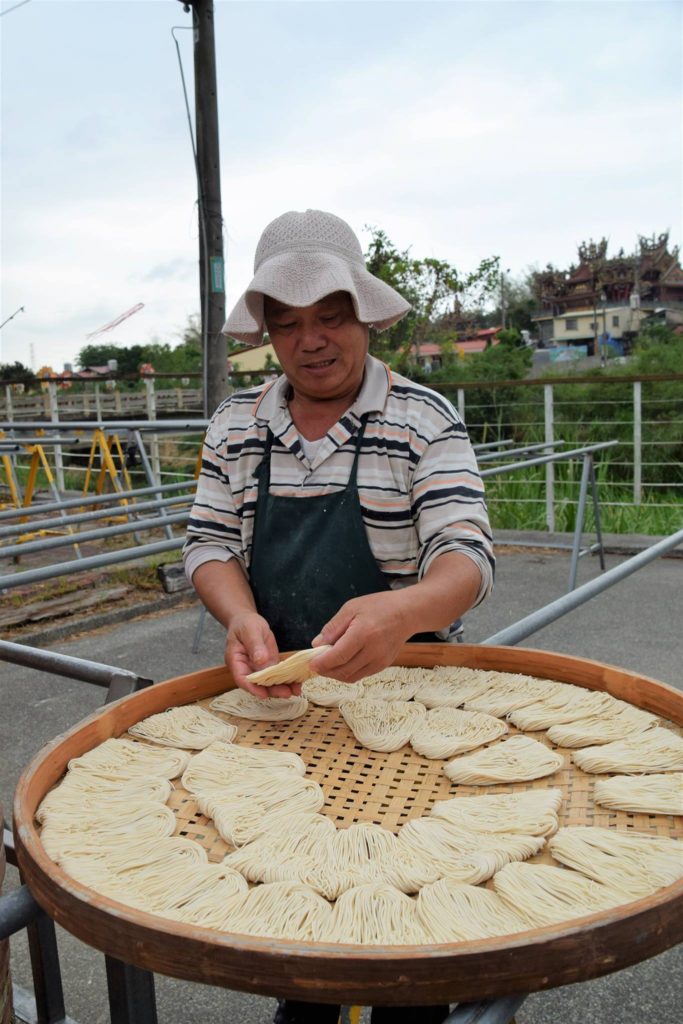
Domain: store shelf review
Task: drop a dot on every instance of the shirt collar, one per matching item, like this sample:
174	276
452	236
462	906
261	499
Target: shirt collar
371	397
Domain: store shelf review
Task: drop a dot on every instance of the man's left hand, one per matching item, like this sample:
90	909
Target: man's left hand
367	633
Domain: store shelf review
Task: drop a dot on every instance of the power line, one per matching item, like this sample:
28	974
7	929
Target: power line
10	9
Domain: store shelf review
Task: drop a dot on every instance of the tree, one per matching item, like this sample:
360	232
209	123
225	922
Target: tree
16	371
192	337
437	292
181	359
98	354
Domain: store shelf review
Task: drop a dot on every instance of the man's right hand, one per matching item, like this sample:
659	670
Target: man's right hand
251	646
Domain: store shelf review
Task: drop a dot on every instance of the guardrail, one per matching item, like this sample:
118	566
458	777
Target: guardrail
644	414
514	461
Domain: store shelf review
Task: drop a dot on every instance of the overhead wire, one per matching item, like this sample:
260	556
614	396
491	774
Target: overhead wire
10	9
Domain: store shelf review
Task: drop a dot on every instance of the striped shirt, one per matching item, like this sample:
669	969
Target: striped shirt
420	491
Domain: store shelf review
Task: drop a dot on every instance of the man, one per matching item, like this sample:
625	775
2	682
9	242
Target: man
340	504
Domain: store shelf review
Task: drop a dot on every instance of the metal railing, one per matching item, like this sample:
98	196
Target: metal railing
644	414
646	421
568	602
513	458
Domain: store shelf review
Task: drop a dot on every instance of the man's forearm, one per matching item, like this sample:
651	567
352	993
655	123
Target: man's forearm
448	589
223	589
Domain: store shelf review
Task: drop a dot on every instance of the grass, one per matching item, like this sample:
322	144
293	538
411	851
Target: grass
516	504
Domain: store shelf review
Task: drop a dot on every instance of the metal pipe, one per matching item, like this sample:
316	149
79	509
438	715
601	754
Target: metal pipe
180	426
495	1011
549	428
63	664
48	543
86	517
637	442
17	910
21	579
44	441
93	499
510	452
152	476
568	602
541	545
492	444
580	516
54	417
543	459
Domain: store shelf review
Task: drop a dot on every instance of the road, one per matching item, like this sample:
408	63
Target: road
635	625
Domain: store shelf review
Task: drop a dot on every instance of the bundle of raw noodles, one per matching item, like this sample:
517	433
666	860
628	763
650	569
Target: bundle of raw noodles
188	727
633	864
543	895
242	704
532	813
650	794
657	750
383	725
518	759
446	731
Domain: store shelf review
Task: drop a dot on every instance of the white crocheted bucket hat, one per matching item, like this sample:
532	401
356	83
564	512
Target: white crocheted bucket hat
301	258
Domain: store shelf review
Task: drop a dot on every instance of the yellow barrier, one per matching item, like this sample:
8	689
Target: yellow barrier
103	445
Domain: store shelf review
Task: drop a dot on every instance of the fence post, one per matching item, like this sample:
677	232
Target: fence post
8	402
152	415
54	416
550	466
461	403
637	442
98	404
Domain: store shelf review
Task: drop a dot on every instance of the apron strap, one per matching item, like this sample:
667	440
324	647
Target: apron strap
262	472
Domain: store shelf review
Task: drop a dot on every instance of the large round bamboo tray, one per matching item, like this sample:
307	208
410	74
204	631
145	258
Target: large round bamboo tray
6	1015
360	785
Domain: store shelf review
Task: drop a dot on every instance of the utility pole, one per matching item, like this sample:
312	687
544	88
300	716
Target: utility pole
211	264
503	307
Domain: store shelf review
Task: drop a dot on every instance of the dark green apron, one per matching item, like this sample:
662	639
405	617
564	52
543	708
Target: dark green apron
310	556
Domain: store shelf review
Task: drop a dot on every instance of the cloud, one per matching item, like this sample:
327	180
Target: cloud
178	269
461	129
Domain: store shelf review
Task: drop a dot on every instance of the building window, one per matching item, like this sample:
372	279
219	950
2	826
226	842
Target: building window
615	321
572	324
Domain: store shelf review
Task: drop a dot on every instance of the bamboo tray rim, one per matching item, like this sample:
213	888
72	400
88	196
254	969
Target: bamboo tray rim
66	899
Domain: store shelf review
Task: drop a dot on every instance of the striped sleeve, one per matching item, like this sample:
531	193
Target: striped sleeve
214	530
448	505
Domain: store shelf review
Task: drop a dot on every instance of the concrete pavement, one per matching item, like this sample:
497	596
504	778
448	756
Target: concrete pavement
635	625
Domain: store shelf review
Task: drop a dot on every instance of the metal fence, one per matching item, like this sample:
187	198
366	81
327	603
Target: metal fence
643	415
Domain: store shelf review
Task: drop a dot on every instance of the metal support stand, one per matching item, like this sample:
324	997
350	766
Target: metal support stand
587	476
497	1011
118	681
596	514
18	909
199	629
47	977
149	474
131	993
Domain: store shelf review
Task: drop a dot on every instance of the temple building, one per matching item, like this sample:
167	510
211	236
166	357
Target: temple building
607	298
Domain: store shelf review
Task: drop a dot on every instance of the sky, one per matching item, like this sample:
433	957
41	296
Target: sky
462	128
